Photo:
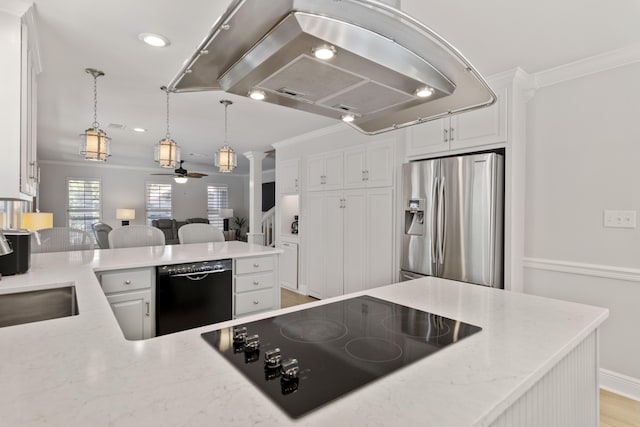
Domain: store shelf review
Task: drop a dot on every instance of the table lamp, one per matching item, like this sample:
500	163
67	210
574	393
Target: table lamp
225	214
34	221
125	215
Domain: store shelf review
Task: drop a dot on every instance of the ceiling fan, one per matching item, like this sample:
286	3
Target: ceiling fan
182	174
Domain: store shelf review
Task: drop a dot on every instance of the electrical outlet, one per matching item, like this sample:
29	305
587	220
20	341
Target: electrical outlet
620	219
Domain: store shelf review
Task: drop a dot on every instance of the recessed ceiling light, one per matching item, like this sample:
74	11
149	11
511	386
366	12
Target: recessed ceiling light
155	40
424	92
257	94
324	52
348	118
139	130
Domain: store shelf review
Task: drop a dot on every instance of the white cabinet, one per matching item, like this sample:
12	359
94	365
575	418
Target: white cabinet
324	171
369	165
130	294
18	105
288	267
350	241
133	311
288	176
475	128
255	285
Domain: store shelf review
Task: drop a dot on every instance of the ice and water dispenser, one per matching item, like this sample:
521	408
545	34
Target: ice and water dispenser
414	217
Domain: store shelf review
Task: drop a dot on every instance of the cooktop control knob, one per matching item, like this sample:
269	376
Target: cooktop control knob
252	343
290	369
272	358
239	335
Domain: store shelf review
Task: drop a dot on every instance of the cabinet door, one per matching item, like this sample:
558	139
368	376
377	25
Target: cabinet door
133	311
333	171
289	178
288	269
315	243
429	137
481	127
355	237
379	165
354	167
315	173
378	248
28	167
332	228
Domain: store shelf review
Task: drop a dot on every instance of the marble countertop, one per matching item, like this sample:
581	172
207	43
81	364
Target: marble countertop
80	371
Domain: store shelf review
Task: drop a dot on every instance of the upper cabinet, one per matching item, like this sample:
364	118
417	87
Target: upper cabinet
324	171
18	103
475	128
369	165
288	181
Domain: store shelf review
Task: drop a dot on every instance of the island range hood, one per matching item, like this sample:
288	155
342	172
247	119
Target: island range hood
386	70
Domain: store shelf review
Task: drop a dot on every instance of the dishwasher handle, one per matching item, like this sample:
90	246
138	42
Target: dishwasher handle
198	275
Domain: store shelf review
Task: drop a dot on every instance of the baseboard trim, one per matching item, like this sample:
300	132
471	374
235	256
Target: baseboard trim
620	384
584	269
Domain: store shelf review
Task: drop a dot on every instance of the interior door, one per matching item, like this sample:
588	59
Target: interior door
472	219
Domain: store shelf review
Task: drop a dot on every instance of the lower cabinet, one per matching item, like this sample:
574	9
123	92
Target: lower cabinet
130	294
133	311
255	286
349	242
288	267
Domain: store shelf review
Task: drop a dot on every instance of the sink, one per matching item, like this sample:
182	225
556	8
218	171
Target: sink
34	306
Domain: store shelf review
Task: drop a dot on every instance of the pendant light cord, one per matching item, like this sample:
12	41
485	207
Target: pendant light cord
226	105
96	125
168	134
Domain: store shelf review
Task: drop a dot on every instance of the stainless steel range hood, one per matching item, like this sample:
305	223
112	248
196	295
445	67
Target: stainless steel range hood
382	58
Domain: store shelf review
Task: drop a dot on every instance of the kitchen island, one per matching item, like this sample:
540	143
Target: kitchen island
534	362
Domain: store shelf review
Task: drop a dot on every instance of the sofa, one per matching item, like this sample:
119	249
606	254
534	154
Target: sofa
170	226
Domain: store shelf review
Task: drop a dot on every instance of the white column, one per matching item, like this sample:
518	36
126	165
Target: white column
255	197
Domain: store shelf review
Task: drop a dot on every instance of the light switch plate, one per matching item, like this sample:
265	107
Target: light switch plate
620	219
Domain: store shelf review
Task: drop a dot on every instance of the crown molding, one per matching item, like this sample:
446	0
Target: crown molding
15	7
591	65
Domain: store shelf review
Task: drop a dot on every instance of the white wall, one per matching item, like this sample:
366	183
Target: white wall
583	156
125	188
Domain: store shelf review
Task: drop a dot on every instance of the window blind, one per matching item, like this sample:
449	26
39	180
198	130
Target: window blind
84	203
217	198
158	204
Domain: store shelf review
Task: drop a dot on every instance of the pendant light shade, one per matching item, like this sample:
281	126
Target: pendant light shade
226	159
167	152
95	145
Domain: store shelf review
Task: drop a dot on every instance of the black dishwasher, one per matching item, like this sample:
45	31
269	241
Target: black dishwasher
193	295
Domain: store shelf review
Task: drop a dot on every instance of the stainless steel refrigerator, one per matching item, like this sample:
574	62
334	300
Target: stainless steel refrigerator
453	219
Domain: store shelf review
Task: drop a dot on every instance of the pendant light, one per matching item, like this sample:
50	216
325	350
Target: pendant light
95	143
167	152
226	158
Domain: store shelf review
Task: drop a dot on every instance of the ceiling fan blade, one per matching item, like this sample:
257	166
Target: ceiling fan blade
165	174
196	175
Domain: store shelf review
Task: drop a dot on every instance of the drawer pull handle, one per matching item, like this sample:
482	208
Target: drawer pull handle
256	265
256	302
147	313
127	282
256	283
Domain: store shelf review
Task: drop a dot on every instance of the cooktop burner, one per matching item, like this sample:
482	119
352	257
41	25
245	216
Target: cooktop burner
305	359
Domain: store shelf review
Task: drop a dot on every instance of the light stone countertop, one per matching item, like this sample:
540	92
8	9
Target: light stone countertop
80	371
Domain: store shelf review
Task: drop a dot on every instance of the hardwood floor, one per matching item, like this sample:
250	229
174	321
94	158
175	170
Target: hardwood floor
289	298
615	410
618	411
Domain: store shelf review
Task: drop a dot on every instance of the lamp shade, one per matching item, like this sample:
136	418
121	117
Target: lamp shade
226	159
167	153
3	220
226	213
125	214
37	220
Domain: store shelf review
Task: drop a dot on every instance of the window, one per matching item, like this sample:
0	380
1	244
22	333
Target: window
216	200
84	203
158	201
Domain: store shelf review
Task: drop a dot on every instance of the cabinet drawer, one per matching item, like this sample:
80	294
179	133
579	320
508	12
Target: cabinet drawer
125	280
251	302
254	265
254	282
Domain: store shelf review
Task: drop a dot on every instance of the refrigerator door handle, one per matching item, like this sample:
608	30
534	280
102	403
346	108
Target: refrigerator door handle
442	227
433	230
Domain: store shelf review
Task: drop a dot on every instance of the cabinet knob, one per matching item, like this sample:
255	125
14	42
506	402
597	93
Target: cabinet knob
127	282
256	302
256	265
451	134
256	283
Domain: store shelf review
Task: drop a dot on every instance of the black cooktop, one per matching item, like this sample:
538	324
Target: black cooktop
330	350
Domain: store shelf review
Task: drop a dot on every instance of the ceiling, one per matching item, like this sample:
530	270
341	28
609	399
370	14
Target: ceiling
494	35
